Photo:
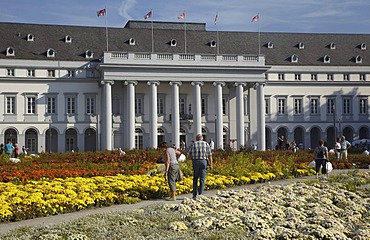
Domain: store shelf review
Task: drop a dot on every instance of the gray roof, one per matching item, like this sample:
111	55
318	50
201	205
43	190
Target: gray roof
198	39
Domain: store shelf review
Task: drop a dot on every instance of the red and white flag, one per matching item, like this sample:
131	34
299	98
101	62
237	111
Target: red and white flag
181	16
216	17
101	12
255	18
149	14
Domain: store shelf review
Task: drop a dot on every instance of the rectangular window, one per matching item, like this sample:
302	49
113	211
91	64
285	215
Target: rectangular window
346	77
362	77
70	141
139	142
314	77
182	102
51	73
330	106
281	106
297	106
31	144
10	72
281	76
204	105
314	106
30	72
138	106
346	106
71	73
330	77
363	106
90	105
10	105
224	106
31	105
160	106
297	76
51	105
71	105
267	106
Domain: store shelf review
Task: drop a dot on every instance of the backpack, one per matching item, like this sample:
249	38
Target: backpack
321	153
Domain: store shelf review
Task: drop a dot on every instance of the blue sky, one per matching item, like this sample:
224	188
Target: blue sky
305	16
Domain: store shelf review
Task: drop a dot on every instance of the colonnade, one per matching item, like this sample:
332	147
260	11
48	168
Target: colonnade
106	121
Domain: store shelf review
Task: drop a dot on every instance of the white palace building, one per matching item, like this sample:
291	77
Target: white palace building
65	88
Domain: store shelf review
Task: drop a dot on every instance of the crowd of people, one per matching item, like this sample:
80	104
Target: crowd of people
12	149
284	144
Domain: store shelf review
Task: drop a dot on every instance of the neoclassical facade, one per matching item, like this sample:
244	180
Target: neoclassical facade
67	88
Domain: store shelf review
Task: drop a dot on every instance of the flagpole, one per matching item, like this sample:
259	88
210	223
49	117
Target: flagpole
152	31
106	26
185	29
217	38
259	36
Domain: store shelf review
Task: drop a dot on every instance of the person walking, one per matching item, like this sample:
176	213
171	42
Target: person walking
321	157
344	148
201	155
172	168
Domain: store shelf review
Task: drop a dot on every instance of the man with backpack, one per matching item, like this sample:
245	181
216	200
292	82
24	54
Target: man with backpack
321	157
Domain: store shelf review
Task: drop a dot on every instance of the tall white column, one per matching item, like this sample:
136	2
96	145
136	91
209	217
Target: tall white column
153	114
219	115
240	139
106	119
175	113
261	127
197	107
131	113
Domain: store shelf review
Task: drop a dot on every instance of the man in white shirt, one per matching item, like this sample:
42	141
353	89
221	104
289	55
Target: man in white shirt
344	146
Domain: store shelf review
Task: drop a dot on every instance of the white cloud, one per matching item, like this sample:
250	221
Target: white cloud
125	8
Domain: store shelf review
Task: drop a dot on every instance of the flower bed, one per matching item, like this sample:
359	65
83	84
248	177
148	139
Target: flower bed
59	183
298	211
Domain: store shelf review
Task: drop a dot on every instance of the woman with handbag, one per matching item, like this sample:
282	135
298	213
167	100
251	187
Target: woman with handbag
172	168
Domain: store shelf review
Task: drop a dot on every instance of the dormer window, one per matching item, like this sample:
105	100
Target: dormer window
132	41
50	52
358	59
10	51
212	43
173	43
301	45
294	58
30	37
89	54
68	39
270	45
363	46
326	59
332	46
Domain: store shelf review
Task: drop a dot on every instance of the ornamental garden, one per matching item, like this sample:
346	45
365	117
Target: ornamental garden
49	184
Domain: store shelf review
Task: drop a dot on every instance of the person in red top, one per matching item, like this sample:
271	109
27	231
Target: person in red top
16	151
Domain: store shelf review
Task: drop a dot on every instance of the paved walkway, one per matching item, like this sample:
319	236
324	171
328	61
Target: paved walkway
57	219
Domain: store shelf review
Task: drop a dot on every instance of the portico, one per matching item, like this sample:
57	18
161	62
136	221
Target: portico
215	87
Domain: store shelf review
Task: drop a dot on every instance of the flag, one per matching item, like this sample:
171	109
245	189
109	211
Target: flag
148	15
216	19
181	16
255	18
101	12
